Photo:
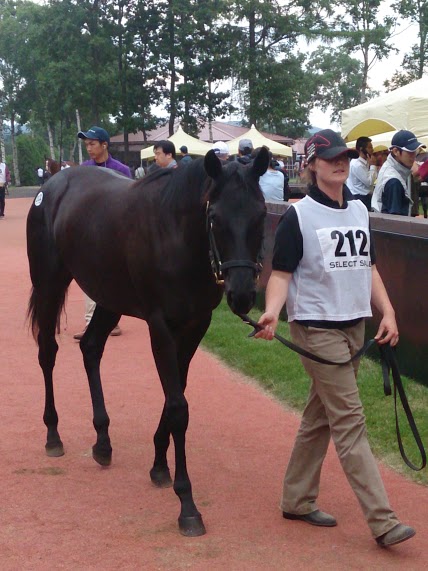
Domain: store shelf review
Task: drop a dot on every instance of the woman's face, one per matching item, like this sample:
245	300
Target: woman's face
334	171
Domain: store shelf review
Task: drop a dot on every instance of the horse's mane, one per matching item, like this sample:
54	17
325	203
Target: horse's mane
181	187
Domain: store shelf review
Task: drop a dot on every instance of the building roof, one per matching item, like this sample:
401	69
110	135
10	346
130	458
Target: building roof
220	132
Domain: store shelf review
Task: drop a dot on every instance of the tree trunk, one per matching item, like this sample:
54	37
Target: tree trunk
51	142
252	68
210	113
79	141
172	102
14	151
2	146
364	84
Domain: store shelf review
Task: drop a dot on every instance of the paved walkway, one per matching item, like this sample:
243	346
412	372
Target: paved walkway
69	513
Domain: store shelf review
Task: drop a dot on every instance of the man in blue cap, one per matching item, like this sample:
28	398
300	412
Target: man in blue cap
392	193
96	141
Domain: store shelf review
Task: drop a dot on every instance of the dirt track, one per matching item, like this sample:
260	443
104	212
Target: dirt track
69	513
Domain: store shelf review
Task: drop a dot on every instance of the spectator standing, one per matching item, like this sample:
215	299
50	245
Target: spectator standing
324	270
221	149
272	183
363	172
40	173
245	148
140	172
165	155
97	141
186	158
392	193
421	174
4	181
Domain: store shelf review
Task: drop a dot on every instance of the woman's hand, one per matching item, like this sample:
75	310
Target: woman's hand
269	322
388	331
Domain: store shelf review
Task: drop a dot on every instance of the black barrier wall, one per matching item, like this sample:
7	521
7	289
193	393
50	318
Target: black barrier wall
402	261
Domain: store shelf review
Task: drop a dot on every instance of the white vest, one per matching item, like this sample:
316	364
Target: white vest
333	279
390	169
2	174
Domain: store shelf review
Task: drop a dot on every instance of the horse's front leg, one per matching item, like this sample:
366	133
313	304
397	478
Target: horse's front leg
172	353
160	474
92	346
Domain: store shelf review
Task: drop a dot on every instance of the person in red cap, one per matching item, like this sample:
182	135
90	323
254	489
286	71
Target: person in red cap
323	268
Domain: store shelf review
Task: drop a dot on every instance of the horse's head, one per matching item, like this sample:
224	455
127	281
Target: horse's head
235	220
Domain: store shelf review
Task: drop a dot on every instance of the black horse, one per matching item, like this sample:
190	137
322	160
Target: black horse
146	249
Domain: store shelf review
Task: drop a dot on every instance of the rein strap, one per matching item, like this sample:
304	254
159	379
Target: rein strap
389	365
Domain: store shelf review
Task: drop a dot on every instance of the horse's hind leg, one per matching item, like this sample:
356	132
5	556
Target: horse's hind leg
49	302
173	354
92	346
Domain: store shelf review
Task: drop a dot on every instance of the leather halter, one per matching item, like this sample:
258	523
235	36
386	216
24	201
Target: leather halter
217	266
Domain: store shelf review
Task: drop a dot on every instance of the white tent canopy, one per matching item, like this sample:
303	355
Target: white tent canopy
260	140
403	108
382	141
180	138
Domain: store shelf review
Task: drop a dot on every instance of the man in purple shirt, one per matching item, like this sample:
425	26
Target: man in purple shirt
96	142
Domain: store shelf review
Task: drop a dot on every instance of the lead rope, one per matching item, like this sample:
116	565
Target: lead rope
389	365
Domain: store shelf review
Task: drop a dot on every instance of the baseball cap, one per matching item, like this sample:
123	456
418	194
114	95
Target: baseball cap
326	144
406	141
244	144
220	148
183	149
95	133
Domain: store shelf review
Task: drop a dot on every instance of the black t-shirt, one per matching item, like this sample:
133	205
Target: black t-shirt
288	249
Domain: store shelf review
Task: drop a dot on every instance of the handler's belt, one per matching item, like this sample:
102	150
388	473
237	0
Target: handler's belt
389	365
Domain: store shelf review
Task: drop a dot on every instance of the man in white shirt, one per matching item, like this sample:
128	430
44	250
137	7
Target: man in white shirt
362	172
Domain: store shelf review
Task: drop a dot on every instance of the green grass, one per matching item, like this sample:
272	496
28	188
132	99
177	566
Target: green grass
280	372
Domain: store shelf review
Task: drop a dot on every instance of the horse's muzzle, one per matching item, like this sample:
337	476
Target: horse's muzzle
240	289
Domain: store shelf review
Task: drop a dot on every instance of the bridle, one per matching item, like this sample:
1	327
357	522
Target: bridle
217	266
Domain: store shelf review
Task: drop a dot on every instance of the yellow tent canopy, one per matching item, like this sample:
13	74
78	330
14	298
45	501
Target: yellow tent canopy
382	141
403	108
180	138
260	140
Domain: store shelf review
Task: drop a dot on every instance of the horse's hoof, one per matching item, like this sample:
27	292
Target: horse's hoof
101	459
192	526
160	478
54	450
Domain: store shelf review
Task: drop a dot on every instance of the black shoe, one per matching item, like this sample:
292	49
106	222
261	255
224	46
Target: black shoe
316	517
395	535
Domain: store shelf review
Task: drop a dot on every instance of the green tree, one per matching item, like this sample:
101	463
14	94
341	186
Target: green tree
336	78
362	32
415	62
32	152
269	31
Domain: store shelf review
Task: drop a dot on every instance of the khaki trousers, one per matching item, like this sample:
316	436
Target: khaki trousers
89	308
334	409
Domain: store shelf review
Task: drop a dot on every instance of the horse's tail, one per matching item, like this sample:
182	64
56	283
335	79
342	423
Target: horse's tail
33	312
49	279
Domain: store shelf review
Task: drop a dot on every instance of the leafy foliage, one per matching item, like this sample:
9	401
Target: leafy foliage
32	152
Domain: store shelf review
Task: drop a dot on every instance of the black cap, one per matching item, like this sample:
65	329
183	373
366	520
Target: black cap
327	144
183	149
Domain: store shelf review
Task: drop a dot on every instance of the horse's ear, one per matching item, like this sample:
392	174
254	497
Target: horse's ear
212	165
260	163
